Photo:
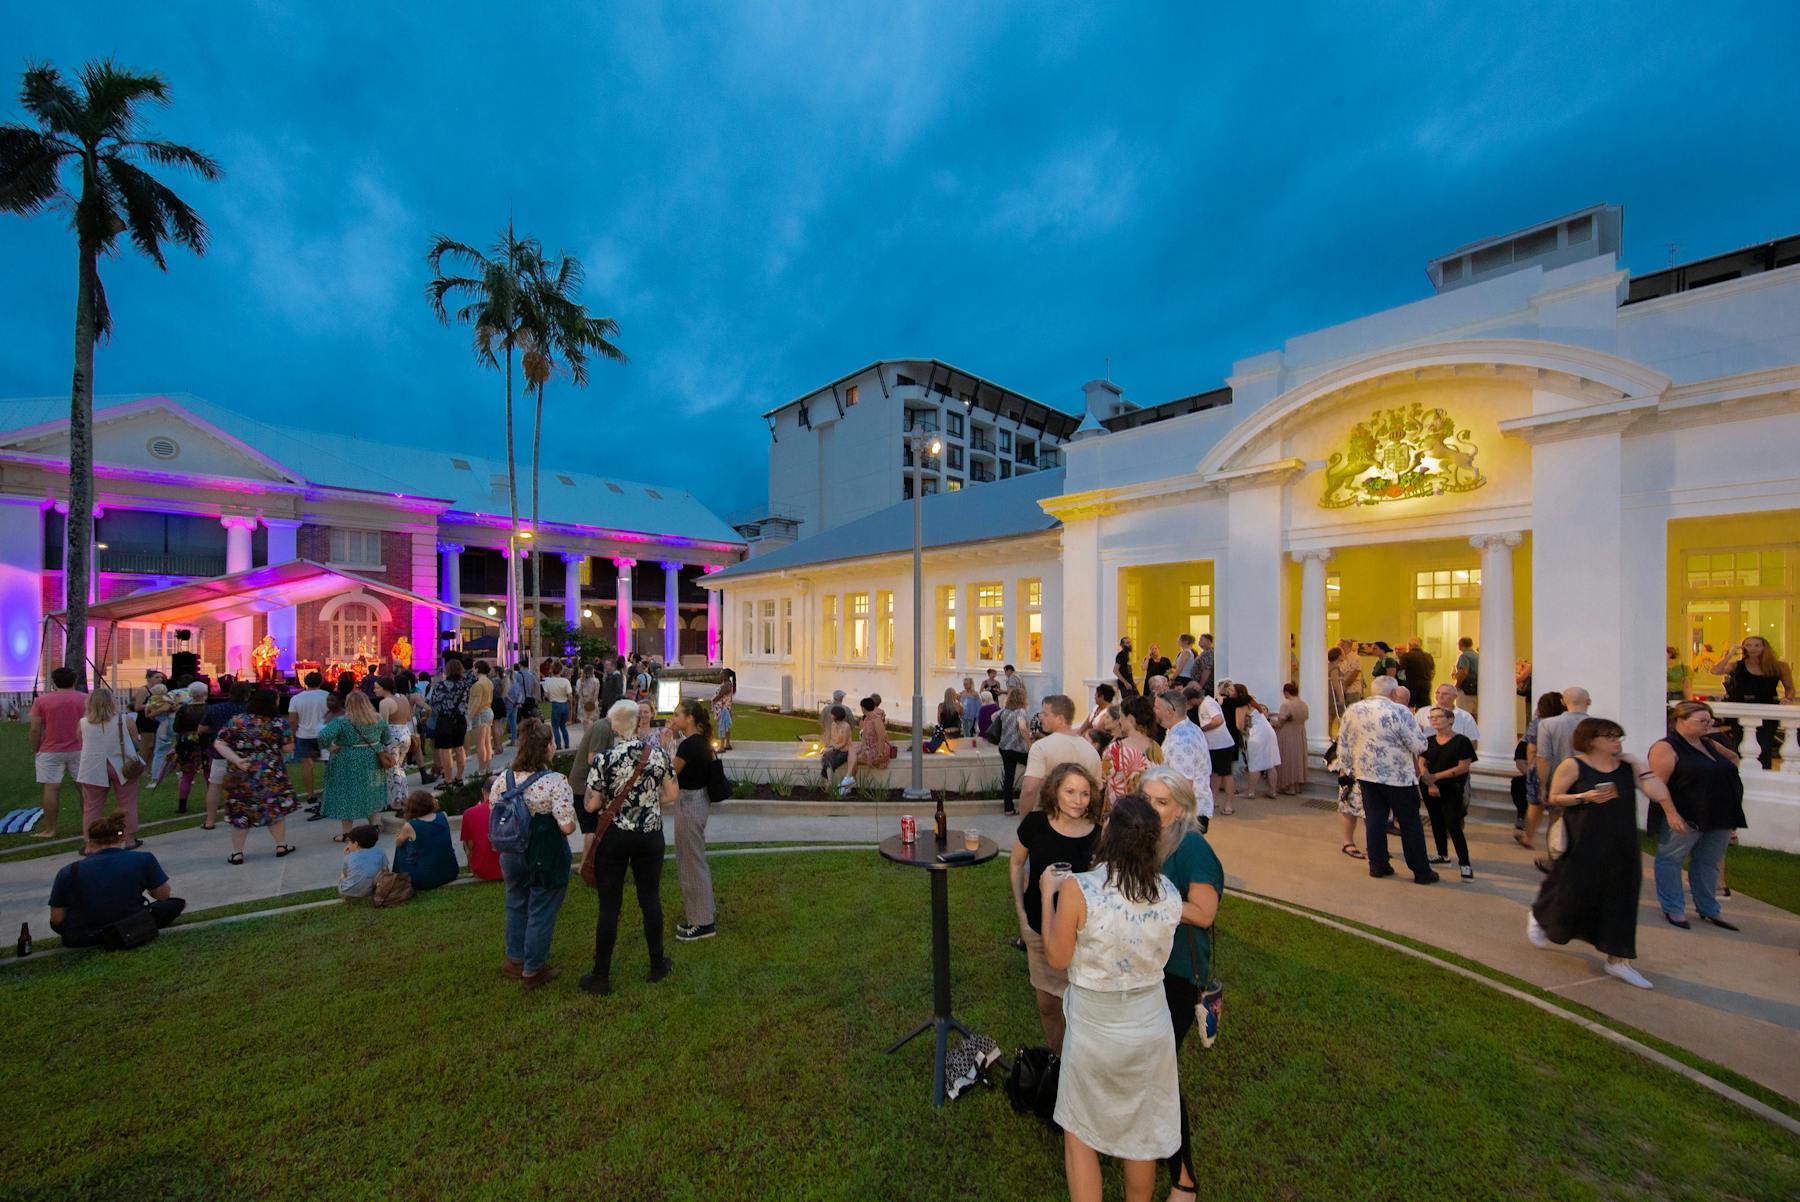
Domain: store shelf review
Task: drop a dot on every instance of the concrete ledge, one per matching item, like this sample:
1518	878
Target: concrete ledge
974	766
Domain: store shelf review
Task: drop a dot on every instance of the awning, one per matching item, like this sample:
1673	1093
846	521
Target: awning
256	591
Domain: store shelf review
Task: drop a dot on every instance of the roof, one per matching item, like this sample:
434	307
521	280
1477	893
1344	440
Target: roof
982	389
255	591
1002	509
462	479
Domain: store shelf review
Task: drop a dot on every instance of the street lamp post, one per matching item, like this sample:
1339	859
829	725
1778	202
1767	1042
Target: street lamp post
921	445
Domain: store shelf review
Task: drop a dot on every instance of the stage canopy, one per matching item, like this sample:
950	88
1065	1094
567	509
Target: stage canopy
256	591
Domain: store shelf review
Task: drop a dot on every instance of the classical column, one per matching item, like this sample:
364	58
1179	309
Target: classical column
239	632
624	565
712	618
284	623
21	591
1494	688
449	581
671	611
1315	688
572	588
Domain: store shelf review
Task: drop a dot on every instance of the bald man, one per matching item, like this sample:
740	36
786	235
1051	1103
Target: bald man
1555	737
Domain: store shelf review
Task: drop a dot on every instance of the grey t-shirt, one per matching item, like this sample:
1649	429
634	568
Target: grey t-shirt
1470	663
1555	738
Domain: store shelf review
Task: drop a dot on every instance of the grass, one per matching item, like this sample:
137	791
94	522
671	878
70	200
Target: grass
372	1054
19	787
1761	872
750	724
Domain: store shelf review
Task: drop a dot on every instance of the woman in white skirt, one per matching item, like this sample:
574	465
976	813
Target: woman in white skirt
1112	928
1262	751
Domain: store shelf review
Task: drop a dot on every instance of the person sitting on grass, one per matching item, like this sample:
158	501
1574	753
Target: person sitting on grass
86	898
484	861
362	861
423	848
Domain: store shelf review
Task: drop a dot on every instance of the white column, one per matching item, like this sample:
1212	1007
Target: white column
1494	690
672	612
1315	688
1085	650
21	591
449	580
239	632
1251	643
624	565
712	618
284	623
1578	573
572	561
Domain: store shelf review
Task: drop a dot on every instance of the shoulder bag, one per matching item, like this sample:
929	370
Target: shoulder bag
134	930
387	757
131	764
391	888
589	866
1211	1006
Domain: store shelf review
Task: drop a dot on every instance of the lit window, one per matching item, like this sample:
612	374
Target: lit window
360	548
355	632
1199	596
830	631
884	627
1457	584
850	395
1334	589
746	646
1032	623
767	646
947	624
856	610
787	628
990	622
953	485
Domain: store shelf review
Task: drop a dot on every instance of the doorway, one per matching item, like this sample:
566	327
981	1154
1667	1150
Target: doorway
1439	630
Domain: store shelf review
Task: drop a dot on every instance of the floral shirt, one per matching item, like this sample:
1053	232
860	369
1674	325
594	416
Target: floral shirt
549	794
1378	741
642	810
1184	749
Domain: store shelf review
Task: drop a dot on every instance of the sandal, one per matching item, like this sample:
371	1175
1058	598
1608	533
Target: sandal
236	857
1519	838
1228	811
209	826
339	838
285	849
1353	851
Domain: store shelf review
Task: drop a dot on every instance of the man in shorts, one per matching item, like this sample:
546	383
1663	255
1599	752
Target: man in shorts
307	712
1221	748
55	735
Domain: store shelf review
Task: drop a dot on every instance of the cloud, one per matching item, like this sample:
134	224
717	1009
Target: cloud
1076	191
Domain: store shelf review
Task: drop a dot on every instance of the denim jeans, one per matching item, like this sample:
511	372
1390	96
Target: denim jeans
1707	849
559	723
530	914
165	743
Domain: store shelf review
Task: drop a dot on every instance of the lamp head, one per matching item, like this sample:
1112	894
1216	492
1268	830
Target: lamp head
935	447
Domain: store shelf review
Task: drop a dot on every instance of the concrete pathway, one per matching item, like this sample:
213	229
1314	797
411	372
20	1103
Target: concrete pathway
1732	998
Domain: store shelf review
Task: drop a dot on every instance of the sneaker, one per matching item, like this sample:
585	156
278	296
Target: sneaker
598	986
661	971
845	785
1440	858
1468	873
1535	932
687	934
1626	973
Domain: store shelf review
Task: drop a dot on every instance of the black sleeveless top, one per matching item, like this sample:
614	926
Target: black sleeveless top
1747	687
1708	793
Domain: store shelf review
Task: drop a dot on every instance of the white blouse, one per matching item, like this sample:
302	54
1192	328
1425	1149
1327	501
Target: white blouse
1124	944
100	749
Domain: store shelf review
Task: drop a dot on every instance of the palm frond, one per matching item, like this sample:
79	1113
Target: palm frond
30	168
152	211
173	154
113	97
46	96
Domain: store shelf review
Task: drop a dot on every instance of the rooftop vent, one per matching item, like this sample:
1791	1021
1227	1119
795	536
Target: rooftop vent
163	447
654	495
461	465
1588	234
615	488
564	480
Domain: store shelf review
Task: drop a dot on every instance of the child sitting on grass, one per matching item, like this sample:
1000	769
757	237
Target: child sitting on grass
362	860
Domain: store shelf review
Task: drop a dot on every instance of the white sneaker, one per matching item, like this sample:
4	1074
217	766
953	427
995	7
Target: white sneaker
1623	970
1534	932
845	785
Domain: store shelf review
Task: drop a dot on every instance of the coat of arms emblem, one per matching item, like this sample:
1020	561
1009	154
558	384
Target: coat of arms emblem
1398	453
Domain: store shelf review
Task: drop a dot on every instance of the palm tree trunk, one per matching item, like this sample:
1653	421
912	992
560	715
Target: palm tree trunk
78	533
513	576
537	576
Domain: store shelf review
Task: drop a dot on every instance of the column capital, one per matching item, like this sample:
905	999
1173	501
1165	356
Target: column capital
709	569
573	556
1319	553
1507	539
282	523
450	548
61	507
672	565
238	521
624	563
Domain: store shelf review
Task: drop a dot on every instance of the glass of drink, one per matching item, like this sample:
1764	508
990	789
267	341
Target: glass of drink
972	839
1061	871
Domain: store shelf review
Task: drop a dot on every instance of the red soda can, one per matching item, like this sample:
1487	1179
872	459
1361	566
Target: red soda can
909	829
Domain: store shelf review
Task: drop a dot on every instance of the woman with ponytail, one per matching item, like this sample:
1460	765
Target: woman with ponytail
692	722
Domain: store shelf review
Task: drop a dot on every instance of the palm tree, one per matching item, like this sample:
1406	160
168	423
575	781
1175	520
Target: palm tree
96	129
494	298
562	335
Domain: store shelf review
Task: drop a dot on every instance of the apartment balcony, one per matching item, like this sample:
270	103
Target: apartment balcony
1026	458
920	421
981	444
980	474
1048	459
158	563
927	463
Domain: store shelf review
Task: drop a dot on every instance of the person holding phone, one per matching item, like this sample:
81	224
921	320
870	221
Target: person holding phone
1753	675
1591	891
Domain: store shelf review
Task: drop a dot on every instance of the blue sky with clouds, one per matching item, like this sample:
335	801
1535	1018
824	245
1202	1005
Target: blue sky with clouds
767	195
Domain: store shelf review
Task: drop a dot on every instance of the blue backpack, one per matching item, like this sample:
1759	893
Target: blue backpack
509	822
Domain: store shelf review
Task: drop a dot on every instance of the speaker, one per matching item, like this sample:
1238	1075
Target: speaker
184	663
182	636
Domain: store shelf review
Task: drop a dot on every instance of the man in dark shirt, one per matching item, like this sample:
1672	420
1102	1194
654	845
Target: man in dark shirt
1417	669
89	896
612	685
217	715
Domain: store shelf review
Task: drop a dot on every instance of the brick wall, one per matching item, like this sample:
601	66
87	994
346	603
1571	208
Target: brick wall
312	636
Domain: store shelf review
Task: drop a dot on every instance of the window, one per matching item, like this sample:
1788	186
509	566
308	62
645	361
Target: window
151	646
953	424
884	627
953	485
990	622
1199	596
1006	469
748	643
829	641
1134	599
856	613
1031	603
1456	584
766	646
906	489
946	624
359	547
931	486
787	628
850	395
1736	569
1005	440
355	631
1199	609
954	457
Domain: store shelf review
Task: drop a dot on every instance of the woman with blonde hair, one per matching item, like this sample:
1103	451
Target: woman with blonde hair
1062	831
355	778
1754	674
108	751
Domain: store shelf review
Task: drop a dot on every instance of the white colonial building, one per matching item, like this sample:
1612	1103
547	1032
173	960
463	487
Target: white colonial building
1567	464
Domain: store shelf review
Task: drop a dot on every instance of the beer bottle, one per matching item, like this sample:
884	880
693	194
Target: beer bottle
941	822
24	939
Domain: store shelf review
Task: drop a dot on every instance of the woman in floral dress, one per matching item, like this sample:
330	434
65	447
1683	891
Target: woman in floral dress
355	779
254	745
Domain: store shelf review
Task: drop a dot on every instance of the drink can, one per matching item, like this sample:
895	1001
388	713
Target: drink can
909	829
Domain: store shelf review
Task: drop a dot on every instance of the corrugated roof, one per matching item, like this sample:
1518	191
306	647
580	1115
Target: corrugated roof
343	461
1002	509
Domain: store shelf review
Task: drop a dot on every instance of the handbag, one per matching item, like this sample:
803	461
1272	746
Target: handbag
993	730
391	888
1211	1004
387	757
1031	1085
134	930
590	871
132	765
718	785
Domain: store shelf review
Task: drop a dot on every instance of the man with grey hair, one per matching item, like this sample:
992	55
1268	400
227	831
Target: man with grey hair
837	699
1378	743
1555	743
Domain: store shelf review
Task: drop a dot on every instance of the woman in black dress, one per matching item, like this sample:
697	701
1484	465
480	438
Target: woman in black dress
1122	669
1754	676
1591	892
1443	780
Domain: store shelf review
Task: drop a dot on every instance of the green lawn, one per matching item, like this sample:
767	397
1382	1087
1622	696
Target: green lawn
347	1052
19	787
750	724
1767	875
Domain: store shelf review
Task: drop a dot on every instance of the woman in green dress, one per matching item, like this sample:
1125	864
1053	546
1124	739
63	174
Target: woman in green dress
355	780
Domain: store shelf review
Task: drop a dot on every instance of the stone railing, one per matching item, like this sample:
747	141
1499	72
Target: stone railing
1749	717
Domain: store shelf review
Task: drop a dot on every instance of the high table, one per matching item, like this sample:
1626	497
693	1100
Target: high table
923	854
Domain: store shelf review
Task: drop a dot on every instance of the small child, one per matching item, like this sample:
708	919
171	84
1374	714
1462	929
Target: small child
362	861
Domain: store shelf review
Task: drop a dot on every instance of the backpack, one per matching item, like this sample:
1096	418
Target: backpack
509	822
